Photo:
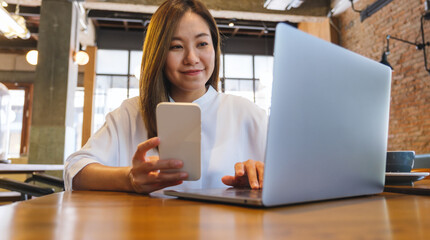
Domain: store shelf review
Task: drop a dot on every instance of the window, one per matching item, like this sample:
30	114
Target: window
248	76
263	71
78	116
112	62
21	102
117	78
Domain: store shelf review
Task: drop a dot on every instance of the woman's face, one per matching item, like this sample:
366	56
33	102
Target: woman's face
191	58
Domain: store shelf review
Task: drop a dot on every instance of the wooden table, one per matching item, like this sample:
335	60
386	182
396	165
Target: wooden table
111	215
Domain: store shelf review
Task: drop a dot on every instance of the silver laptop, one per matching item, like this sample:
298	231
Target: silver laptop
328	126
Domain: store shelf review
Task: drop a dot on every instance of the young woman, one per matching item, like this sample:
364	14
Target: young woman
181	58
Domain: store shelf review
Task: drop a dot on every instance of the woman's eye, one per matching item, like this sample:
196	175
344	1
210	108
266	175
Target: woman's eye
202	44
176	47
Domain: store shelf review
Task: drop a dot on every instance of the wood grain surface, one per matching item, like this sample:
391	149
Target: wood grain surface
113	215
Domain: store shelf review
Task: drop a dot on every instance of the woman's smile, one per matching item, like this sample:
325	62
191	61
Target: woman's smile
193	72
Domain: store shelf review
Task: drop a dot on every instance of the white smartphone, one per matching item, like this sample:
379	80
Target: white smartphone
179	130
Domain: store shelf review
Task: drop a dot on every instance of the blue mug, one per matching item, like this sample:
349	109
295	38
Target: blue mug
400	161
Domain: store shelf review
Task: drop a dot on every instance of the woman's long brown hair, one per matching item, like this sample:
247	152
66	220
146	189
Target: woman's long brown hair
154	87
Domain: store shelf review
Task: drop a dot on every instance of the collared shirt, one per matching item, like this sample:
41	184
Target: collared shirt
233	130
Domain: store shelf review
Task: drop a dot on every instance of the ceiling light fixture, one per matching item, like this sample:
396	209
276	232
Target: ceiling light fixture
282	4
4	4
31	57
295	4
231	23
81	58
371	9
13	25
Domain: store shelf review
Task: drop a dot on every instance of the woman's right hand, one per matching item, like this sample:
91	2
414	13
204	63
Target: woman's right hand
145	175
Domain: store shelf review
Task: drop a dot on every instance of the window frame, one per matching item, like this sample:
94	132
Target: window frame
27	111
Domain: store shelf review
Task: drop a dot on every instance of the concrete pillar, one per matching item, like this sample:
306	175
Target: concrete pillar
52	134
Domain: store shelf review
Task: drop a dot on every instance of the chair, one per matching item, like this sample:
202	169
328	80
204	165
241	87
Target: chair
28	190
47	179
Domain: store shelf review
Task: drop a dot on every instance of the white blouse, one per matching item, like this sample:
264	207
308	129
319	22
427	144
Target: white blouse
233	130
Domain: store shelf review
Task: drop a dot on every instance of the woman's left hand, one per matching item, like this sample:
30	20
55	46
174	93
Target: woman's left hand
247	174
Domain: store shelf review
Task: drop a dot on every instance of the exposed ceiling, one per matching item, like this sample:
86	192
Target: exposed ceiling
240	9
249	16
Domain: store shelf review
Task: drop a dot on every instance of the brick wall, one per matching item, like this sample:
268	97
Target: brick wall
410	95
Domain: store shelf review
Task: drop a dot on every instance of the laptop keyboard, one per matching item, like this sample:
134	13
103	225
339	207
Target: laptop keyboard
242	193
